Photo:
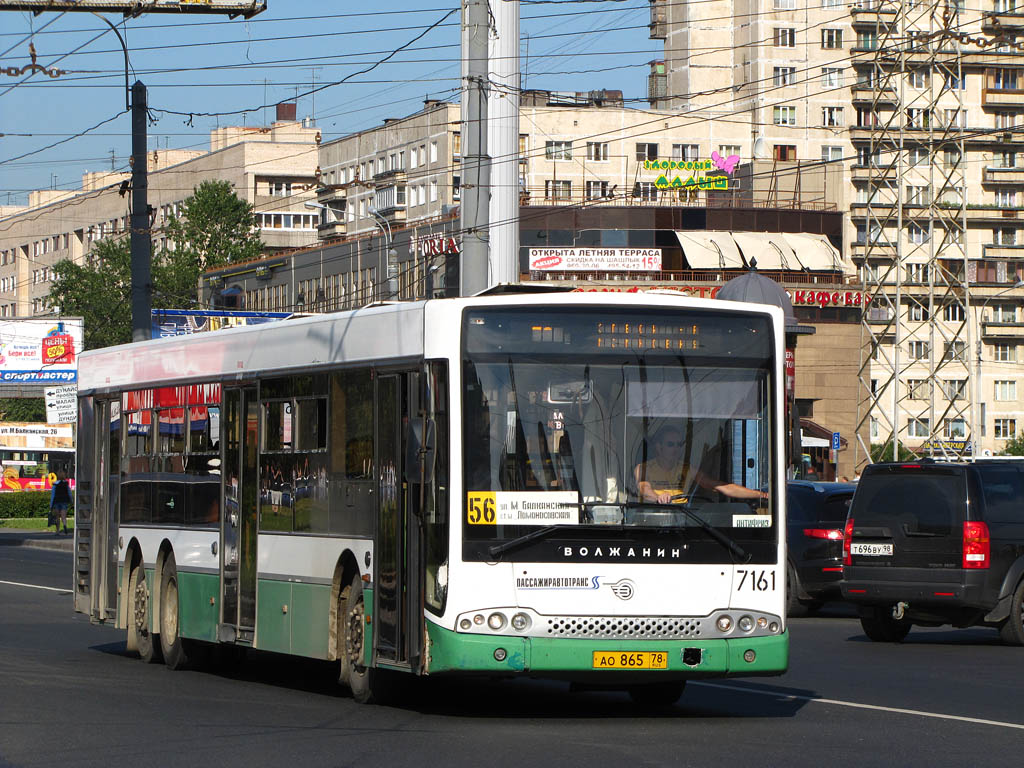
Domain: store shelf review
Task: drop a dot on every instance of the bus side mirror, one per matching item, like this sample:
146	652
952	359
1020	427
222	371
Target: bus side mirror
420	451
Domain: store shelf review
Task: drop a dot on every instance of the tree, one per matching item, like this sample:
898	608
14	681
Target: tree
216	228
883	452
22	409
1014	446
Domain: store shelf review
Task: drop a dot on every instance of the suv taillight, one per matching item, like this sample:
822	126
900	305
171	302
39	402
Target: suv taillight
832	534
976	545
847	538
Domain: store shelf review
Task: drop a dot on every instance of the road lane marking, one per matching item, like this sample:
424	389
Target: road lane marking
856	705
37	586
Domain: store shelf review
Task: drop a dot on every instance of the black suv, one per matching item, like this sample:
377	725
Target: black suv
815	514
934	544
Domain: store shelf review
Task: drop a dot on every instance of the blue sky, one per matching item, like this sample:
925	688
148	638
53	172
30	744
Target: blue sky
195	64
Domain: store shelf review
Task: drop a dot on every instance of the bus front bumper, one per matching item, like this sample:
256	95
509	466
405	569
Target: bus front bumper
458	652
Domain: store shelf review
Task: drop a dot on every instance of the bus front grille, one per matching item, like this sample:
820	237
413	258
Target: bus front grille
624	627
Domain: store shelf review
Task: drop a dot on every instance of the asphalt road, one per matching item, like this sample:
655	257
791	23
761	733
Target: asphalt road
70	697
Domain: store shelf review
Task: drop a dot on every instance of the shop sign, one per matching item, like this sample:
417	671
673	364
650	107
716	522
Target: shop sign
595	259
798	297
40	351
717	163
434	245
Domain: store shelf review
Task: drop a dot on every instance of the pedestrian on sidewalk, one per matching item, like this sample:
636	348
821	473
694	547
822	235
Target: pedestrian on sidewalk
60	500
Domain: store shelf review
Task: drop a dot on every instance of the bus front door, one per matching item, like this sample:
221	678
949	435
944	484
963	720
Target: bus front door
239	511
398	615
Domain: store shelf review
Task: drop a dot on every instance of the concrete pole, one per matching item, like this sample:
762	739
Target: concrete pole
141	247
503	142
476	182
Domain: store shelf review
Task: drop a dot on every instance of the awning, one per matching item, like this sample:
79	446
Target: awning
710	250
813	442
816	252
770	250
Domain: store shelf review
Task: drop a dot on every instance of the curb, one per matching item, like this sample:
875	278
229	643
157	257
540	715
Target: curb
66	544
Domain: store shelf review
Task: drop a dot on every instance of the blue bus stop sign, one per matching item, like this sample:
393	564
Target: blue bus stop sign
835	441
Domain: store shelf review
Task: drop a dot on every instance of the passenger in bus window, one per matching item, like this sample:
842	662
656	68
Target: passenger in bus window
663	479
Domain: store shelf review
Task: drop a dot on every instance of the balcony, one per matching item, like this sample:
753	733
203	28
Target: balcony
1007	20
873	13
659	21
325	230
390	176
873	173
865	93
999	330
1013	176
998	251
1002	97
331	194
992	213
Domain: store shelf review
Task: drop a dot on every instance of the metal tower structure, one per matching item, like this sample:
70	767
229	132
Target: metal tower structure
916	384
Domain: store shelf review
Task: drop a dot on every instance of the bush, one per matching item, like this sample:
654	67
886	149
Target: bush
25	504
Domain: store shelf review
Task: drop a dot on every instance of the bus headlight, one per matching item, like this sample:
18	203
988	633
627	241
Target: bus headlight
724	623
520	622
746	623
496	621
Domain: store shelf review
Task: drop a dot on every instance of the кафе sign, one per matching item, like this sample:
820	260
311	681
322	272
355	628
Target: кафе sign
801	297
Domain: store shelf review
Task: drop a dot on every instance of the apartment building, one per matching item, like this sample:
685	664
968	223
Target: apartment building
274	168
848	83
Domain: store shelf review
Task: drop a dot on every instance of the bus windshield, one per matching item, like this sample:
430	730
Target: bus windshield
640	420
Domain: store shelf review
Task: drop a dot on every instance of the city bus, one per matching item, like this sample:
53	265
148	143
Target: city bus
449	487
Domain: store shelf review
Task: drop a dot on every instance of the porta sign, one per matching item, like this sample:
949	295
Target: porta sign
595	259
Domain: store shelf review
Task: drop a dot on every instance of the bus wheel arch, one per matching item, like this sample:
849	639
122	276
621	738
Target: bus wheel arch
346	569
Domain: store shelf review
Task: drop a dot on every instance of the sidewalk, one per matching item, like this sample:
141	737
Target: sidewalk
40	539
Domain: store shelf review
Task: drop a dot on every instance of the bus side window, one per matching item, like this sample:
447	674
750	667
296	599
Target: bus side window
351	450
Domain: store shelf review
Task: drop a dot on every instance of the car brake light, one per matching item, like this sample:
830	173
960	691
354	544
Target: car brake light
832	534
847	538
976	544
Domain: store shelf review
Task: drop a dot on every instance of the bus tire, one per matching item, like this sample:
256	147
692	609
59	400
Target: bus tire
140	635
171	644
366	683
1012	630
344	663
653	695
879	625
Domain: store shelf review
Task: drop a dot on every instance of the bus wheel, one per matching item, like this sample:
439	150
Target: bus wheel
171	643
344	665
366	683
657	694
140	637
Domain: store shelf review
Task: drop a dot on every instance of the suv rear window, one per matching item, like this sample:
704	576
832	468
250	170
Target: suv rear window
926	501
1003	485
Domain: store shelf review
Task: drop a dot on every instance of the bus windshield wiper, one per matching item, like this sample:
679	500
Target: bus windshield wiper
519	541
713	532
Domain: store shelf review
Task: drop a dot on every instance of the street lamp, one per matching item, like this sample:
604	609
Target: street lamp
976	405
392	255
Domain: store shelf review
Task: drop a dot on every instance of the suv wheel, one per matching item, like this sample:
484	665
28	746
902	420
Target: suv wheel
1012	630
880	626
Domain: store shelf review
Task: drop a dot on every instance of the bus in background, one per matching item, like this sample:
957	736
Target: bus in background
584	487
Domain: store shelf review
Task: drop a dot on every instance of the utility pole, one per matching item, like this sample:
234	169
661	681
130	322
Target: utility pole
473	277
503	143
142	322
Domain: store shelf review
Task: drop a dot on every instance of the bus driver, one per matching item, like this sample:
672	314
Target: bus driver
661	480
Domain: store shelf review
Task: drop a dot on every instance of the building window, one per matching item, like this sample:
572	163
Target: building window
1004	313
784	37
917	389
645	190
918	119
726	150
918	78
646	151
917	427
1005	120
955	350
867	40
784	115
1005	429
784	76
832	38
832	117
1006	198
954	429
866	117
917	234
597	151
1006	391
433	190
784	5
784	151
557	189
457	145
831	77
917	350
954	389
1004	79
918	194
953	313
1006	353
686	151
597	190
558	150
831	154
433	151
917	312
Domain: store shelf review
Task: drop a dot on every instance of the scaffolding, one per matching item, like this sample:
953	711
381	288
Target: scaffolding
917	391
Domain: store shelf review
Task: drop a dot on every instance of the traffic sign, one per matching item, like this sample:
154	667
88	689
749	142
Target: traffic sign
835	441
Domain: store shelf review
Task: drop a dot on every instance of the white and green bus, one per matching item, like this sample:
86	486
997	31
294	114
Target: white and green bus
458	486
